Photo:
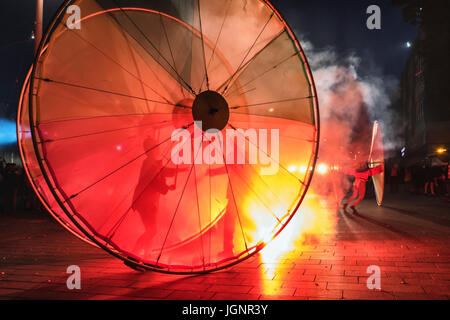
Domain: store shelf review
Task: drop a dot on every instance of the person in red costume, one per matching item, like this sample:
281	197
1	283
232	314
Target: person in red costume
361	174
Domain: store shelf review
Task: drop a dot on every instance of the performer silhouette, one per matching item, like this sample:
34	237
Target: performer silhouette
151	185
361	174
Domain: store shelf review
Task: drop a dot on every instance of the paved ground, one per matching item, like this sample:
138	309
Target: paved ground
408	238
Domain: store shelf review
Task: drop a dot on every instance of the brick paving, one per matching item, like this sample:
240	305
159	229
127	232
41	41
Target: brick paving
407	238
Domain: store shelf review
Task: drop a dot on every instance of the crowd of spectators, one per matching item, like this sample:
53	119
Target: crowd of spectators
15	191
424	178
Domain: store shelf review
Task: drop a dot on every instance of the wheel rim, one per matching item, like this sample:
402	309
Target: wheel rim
200	240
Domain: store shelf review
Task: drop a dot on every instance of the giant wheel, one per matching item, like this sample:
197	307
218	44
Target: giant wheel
106	105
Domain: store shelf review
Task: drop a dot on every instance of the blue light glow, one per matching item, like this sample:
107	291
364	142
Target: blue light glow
7	132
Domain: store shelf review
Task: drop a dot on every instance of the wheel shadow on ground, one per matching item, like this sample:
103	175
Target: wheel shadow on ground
131	285
431	218
358	218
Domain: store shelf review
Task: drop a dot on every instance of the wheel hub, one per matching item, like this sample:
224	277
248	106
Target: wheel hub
211	108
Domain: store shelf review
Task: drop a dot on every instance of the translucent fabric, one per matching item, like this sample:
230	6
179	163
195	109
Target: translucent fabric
376	158
32	169
110	100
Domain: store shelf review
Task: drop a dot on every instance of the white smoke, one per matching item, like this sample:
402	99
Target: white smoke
342	91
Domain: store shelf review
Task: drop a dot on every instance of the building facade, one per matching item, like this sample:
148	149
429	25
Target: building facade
426	123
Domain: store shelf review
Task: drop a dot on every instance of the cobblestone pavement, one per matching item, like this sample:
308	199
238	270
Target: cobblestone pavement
408	238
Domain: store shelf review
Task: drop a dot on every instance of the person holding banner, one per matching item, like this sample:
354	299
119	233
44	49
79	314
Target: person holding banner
361	174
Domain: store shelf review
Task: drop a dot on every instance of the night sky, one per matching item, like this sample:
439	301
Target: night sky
339	24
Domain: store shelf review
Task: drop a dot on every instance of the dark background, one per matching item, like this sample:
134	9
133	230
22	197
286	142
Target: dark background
339	24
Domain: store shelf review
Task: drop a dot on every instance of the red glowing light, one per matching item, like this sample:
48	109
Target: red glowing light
136	204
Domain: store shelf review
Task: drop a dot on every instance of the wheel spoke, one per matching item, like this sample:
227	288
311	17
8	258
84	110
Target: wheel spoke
210	203
116	226
178	204
228	93
232	193
217	40
246	55
102	132
203	46
270	102
257	146
246	64
123	166
110	92
170	50
154	47
97	117
198	213
256	194
118	64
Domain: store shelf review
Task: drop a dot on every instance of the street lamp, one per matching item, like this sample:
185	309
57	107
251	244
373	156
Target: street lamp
38	24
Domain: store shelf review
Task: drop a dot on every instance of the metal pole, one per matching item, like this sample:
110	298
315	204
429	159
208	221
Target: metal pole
38	24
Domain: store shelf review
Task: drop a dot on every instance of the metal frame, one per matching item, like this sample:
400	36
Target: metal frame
128	260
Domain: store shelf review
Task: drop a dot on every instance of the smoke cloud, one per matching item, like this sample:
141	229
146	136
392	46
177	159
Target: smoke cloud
350	100
346	92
